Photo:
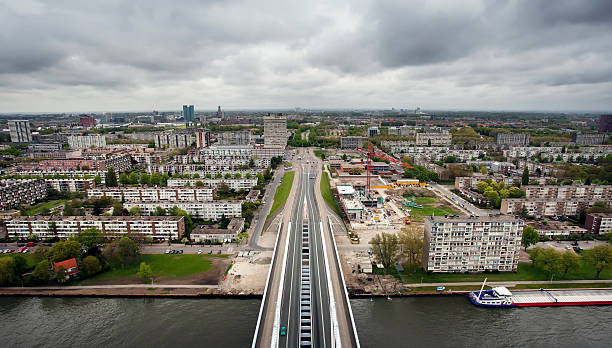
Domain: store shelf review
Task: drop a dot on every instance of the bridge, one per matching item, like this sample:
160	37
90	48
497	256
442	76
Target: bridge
305	301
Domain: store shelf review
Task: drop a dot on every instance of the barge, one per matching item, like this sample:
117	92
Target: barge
502	297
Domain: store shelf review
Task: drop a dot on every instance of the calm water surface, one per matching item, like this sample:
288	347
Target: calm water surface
402	322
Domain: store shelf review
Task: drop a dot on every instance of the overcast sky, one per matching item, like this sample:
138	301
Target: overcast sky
67	55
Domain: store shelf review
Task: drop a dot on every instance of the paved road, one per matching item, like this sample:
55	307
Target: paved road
263	211
458	201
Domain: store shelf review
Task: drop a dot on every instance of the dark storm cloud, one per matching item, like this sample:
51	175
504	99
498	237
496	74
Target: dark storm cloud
347	51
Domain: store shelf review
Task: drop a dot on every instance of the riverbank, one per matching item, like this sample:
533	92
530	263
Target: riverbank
214	291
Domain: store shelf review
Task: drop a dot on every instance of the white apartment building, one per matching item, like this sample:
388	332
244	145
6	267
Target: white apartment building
555	192
131	194
275	131
547	206
436	138
86	141
158	227
528	151
472	244
204	232
210	210
174	139
71	185
236	184
234	137
17	191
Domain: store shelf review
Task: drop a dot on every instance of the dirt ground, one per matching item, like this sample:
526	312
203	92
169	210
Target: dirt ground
249	273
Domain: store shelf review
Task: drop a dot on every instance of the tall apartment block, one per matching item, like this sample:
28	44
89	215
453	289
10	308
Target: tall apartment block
549	206
352	142
234	138
436	138
174	139
20	131
513	139
554	192
275	131
86	141
605	123
472	244
188	113
598	223
202	138
373	131
14	191
589	139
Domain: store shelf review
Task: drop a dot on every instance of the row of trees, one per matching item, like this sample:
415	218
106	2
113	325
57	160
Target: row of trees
407	246
496	191
559	264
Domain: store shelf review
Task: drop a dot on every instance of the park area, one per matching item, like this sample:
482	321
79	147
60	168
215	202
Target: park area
430	206
167	269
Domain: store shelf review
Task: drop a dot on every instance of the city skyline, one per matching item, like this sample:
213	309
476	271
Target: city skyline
522	55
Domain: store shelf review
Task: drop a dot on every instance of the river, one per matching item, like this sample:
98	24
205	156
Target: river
401	322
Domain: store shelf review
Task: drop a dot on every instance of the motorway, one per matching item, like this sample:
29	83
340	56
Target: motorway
305	279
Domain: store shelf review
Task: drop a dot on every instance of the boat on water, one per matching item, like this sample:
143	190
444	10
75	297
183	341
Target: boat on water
502	297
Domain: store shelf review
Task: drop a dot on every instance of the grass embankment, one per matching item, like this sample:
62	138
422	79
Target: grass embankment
282	193
44	206
524	272
166	266
327	194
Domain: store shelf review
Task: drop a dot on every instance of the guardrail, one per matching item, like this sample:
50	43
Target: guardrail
348	304
263	302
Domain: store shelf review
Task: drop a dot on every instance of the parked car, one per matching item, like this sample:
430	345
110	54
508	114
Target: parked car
30	244
167	251
199	251
22	250
181	251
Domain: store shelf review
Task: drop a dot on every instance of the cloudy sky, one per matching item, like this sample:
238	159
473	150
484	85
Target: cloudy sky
67	55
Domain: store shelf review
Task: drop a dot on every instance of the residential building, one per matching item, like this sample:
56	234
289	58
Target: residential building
233	183
470	182
472	244
598	223
157	227
529	151
14	192
352	142
70	267
86	141
71	185
121	163
188	113
207	210
234	138
589	139
275	131
87	121
131	194
539	207
174	139
373	131
556	229
20	131
443	137
605	123
58	154
554	192
203	233
202	138
44	147
513	139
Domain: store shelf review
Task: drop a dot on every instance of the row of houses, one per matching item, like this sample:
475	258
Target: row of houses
130	194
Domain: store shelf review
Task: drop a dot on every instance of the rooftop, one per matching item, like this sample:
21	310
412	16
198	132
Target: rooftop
471	218
97	218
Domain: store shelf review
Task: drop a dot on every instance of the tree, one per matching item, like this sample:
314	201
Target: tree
251	163
515	192
609	237
111	178
133	178
156	179
493	198
482	186
530	237
159	211
98	179
91	237
123	179
134	211
41	253
122	252
228	176
208	176
199	183
7	270
385	249
549	260
60	275
237	176
145	273
64	250
21	264
411	244
196	176
569	262
91	265
524	213
164	179
42	271
145	179
525	177
600	257
248	175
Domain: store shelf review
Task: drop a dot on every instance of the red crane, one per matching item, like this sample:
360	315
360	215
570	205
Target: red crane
382	155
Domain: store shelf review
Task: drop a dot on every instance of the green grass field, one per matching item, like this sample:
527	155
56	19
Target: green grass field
428	210
282	192
423	200
327	194
163	265
524	272
41	207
